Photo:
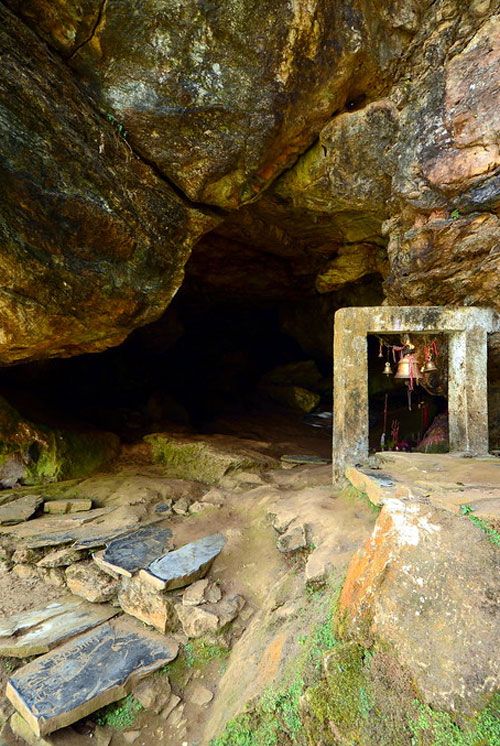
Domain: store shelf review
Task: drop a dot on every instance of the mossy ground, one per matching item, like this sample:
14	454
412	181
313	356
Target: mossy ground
119	715
492	534
196	654
341	693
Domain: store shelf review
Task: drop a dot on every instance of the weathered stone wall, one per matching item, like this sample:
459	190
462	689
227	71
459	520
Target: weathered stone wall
359	143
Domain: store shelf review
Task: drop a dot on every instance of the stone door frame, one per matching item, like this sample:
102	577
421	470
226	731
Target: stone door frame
467	329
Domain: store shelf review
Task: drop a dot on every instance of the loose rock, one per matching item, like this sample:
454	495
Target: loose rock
201	592
141	600
293	540
199	695
128	554
74	505
86	580
19	510
37	632
61	557
96	668
208	619
153	693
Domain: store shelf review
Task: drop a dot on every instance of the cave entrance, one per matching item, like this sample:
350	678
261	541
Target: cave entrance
467	330
410	413
206	367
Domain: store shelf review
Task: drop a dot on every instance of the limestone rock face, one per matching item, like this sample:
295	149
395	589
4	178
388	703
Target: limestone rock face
414	588
443	243
403	187
92	242
220	96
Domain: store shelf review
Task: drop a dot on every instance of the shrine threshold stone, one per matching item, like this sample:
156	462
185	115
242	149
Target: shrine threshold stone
185	565
37	632
87	673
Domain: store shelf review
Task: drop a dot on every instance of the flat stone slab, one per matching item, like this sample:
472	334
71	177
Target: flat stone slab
136	550
37	632
297	458
185	565
89	672
19	510
75	505
86	530
376	485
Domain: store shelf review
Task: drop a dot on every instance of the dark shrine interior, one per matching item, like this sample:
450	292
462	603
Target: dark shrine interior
399	417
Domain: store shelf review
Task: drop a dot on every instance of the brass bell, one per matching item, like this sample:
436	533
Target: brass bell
428	366
387	369
407	368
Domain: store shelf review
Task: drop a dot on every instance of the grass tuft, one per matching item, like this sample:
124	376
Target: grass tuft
119	715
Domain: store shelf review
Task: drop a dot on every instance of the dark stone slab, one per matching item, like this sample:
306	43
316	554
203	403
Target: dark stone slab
185	565
134	551
304	459
87	673
37	632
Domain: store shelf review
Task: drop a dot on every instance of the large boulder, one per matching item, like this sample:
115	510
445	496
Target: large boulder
92	242
31	453
423	588
223	96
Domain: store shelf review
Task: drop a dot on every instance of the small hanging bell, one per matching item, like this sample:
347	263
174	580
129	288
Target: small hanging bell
387	369
407	368
428	366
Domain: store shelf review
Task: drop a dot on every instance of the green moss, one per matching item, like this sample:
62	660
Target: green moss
119	715
338	697
195	654
198	461
491	533
433	728
276	718
351	493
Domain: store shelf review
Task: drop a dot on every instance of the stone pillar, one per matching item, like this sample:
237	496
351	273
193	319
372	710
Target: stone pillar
468	391
350	375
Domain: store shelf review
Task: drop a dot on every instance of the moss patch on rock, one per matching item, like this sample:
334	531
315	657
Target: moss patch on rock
45	454
200	460
343	693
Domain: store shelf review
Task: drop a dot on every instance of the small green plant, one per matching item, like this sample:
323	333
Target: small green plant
200	653
9	665
455	214
195	654
491	533
119	715
119	127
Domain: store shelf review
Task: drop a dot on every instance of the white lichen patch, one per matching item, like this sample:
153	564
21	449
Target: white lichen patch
408	525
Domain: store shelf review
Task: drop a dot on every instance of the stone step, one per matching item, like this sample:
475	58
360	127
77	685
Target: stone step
87	673
70	505
37	632
134	551
185	565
